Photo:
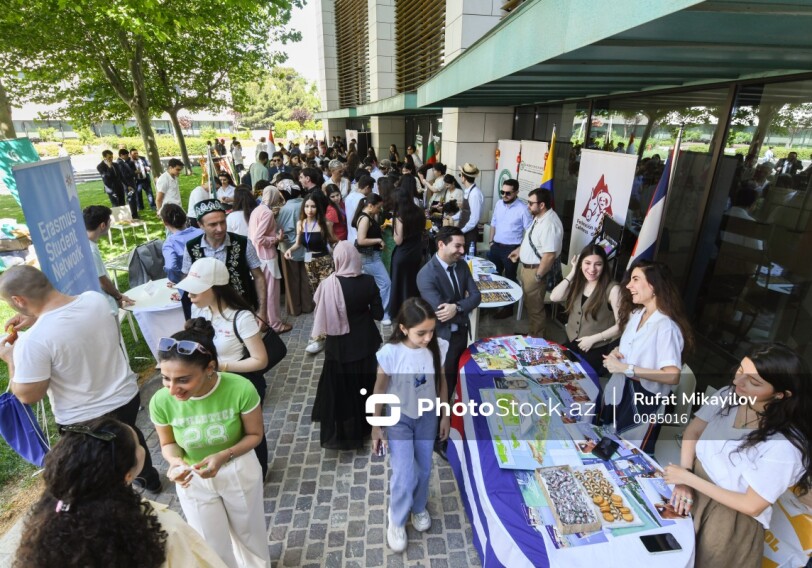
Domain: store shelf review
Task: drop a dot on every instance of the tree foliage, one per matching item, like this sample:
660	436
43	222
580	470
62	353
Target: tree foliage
101	60
281	95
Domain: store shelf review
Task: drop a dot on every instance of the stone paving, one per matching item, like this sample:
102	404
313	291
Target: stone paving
325	507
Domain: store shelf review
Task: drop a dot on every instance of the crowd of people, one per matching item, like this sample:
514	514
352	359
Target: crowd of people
358	241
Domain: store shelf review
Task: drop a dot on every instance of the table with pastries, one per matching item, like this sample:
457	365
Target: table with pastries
534	492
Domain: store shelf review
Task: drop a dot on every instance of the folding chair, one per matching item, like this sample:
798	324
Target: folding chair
122	220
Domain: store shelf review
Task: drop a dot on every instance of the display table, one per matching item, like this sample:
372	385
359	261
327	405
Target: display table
496	504
158	315
483	271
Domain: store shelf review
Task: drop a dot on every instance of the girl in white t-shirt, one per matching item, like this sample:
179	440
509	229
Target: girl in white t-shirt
648	361
237	336
410	367
741	452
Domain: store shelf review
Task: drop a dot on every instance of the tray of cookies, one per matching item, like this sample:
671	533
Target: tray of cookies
569	501
612	505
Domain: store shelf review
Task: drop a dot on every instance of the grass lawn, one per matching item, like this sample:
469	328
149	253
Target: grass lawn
14	471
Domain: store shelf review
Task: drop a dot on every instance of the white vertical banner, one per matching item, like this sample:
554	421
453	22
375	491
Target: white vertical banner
604	185
351	135
531	167
508	154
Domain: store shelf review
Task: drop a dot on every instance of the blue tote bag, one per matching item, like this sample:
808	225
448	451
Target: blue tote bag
20	429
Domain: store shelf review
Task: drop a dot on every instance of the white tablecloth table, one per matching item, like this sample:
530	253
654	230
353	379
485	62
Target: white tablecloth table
158	315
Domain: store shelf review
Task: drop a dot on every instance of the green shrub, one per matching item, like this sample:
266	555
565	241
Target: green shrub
47	149
208	133
47	134
74	147
86	135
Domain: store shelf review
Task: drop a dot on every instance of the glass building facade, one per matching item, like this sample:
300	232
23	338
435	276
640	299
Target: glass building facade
738	224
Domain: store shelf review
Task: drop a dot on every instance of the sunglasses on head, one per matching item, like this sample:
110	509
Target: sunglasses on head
183	347
98	434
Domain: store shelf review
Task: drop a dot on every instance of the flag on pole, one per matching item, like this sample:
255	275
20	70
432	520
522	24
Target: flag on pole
271	140
431	151
547	175
647	239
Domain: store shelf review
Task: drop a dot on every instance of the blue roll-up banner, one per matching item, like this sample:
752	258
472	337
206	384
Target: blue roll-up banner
54	218
13	152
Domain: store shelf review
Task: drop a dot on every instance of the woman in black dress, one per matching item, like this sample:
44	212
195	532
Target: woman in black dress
349	357
409	226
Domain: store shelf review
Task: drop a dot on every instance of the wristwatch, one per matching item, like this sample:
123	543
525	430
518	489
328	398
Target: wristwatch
629	372
459	308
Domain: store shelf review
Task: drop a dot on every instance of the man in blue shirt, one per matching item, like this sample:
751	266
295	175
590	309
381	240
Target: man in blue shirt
510	218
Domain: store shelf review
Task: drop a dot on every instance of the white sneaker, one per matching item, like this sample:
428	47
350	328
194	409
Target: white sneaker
387	322
314	347
421	521
396	537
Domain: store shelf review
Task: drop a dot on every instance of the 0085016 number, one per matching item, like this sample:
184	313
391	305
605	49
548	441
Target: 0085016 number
656	418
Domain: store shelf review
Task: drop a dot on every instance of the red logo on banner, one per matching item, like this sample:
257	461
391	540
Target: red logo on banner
600	202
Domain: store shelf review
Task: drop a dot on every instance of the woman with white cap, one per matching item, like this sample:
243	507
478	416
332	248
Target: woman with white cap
237	337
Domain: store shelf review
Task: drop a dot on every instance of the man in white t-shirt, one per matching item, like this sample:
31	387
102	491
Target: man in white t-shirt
97	224
351	204
167	187
71	351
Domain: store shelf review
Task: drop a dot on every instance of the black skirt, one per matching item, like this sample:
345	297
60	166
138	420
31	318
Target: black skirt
339	404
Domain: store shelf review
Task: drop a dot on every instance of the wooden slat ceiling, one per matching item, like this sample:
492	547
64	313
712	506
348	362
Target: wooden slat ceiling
352	41
419	41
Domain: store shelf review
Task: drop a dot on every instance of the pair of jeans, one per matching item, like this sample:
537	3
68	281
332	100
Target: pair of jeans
146	186
498	254
372	265
411	443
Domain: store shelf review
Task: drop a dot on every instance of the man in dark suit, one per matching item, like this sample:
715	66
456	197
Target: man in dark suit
789	165
143	179
446	283
127	170
112	179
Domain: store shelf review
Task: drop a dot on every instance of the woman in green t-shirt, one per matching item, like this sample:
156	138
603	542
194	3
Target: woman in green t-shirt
208	423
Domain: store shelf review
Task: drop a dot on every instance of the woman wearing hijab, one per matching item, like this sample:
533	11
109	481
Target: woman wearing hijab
347	305
264	234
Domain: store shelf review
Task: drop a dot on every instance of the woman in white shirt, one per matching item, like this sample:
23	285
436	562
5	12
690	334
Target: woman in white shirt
244	204
648	360
741	452
237	336
225	191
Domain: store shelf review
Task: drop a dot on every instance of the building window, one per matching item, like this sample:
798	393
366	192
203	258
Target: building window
419	41
352	41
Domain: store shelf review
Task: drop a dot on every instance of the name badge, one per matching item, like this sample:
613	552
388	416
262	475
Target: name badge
308	256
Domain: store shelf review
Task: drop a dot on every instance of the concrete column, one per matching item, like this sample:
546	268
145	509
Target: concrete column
334	127
328	62
471	135
466	21
388	130
381	30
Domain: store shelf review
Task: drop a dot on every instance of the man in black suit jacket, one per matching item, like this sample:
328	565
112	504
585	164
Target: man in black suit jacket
789	165
112	179
452	300
127	169
143	179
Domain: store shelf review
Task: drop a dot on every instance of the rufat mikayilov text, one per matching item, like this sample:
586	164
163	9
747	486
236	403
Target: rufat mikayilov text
700	398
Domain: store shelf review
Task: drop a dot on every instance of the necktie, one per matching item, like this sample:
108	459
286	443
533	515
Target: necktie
457	294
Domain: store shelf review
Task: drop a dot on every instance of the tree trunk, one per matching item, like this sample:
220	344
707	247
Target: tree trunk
148	137
6	124
184	153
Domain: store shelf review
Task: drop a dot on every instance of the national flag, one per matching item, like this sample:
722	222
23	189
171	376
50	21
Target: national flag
547	175
270	139
647	239
431	151
630	145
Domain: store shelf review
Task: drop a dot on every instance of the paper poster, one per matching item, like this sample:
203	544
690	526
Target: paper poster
532	166
53	215
351	135
508	155
604	186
